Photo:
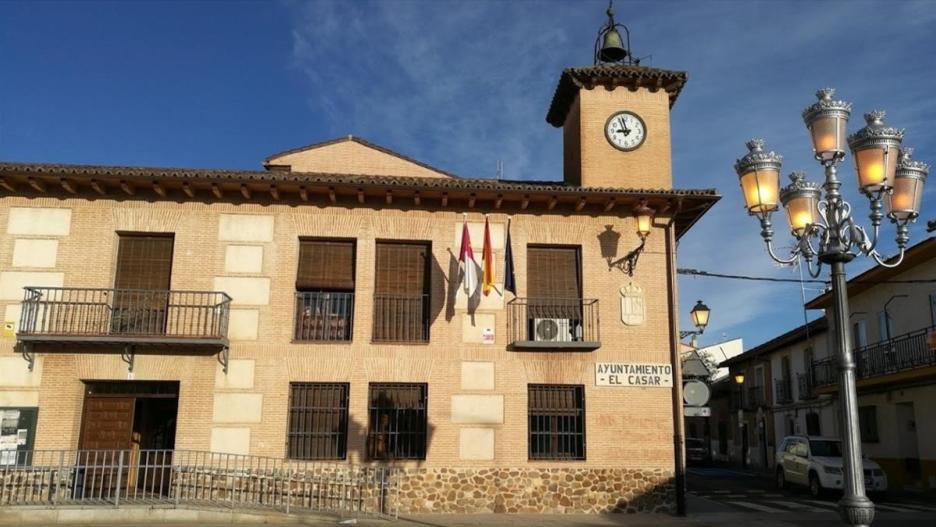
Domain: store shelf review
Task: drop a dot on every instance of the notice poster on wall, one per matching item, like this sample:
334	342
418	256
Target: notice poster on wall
17	428
9	423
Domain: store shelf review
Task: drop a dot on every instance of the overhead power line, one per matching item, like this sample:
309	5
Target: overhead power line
697	272
709	274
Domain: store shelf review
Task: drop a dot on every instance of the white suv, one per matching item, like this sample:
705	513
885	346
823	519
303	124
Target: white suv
817	463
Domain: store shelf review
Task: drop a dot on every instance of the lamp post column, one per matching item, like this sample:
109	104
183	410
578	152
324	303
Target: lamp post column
855	508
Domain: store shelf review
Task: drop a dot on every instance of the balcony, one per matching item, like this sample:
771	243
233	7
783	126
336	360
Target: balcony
907	352
825	371
324	317
564	324
807	386
784	391
401	319
72	318
755	398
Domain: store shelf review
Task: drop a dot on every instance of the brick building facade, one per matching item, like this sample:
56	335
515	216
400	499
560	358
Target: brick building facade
484	411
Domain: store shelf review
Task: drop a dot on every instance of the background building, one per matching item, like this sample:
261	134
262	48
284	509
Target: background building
892	324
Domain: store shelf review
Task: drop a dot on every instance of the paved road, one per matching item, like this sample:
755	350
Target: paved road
722	491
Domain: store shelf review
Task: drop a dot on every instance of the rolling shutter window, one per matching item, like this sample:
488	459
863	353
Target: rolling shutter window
402	269
325	265
144	261
553	272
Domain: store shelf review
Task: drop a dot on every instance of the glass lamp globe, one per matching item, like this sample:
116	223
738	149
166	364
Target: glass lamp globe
759	176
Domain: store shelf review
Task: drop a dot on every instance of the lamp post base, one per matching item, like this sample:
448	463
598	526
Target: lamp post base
856	510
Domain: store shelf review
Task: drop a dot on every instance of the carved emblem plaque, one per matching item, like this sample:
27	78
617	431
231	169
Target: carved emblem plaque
632	305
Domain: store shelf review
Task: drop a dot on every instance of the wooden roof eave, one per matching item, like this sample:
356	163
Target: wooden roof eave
289	187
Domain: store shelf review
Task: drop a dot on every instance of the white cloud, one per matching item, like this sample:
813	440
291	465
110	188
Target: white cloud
463	84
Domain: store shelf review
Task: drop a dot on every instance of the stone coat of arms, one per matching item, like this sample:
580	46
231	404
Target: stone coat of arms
632	305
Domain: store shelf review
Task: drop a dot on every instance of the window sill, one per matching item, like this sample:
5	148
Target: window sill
560	346
320	342
400	342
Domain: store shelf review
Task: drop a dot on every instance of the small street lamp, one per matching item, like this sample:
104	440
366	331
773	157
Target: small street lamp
700	318
821	223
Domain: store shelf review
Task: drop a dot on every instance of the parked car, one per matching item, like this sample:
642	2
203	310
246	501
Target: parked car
816	462
697	451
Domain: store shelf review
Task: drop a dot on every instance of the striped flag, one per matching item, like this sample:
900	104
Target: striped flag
466	263
510	282
487	261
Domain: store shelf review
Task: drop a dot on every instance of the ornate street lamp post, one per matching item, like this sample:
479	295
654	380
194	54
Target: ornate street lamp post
700	317
825	233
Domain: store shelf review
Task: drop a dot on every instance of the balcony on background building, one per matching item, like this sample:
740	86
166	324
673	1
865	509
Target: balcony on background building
909	351
324	316
755	398
75	318
825	371
784	391
807	386
563	324
401	318
904	353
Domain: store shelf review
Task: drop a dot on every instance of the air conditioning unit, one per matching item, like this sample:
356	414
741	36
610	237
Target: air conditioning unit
551	330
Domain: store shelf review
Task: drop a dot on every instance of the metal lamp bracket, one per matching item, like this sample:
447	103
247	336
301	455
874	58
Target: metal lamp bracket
128	355
224	358
28	355
628	263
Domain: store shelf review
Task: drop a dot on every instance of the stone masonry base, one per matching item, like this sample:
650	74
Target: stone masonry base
533	490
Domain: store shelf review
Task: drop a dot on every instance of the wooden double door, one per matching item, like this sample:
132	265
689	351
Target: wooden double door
128	428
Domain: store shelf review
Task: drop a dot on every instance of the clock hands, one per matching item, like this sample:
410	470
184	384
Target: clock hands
624	127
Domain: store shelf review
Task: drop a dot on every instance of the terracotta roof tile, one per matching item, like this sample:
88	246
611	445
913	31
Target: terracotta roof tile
610	76
15	168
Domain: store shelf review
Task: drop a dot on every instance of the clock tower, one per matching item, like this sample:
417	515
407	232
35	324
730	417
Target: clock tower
615	117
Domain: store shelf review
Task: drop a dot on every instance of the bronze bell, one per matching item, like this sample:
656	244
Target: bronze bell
612	48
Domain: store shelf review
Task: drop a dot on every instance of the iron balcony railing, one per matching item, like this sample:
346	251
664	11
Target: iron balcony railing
807	386
68	313
755	398
784	391
111	478
825	371
401	318
324	316
909	351
553	323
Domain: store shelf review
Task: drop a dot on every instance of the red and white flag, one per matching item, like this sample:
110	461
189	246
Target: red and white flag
466	263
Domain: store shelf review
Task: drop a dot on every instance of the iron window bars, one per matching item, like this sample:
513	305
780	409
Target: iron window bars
556	421
318	421
397	421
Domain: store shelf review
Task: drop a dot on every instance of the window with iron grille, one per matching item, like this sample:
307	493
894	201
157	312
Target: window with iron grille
318	421
556	421
142	279
401	292
325	290
397	421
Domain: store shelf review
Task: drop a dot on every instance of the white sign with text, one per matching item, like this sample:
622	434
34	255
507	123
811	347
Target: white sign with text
643	375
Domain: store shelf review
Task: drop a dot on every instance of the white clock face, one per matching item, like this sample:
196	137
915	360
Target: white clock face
625	131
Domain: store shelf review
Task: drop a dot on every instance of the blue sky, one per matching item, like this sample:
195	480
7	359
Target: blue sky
461	85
